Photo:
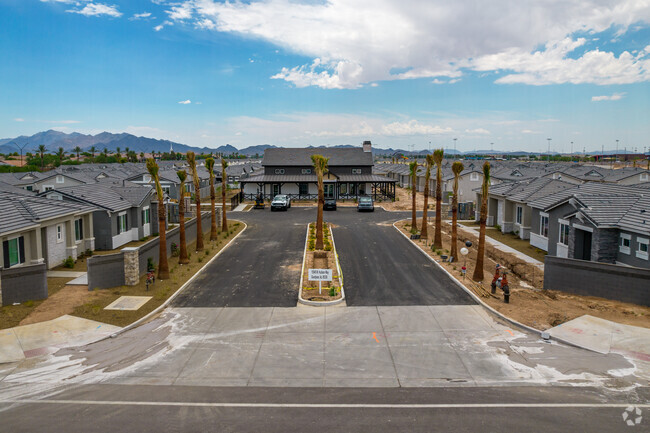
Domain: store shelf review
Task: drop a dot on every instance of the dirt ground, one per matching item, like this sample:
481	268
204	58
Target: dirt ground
529	303
62	302
404	200
310	288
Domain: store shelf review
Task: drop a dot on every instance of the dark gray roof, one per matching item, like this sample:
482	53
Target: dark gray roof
280	178
109	196
302	157
19	212
553	200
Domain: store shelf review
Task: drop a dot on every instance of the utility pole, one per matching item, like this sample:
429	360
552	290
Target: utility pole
455	147
616	150
572	150
549	149
22	163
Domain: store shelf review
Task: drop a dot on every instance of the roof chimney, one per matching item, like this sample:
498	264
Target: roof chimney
367	146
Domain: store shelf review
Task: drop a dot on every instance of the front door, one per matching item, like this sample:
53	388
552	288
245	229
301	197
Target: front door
328	190
276	189
582	245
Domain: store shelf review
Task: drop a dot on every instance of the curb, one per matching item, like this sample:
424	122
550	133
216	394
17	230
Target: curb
303	301
176	293
482	303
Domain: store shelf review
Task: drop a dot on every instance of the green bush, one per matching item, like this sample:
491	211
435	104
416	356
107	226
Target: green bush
68	263
150	265
332	291
200	259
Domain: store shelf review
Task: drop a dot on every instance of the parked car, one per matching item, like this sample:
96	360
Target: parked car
365	203
281	201
330	204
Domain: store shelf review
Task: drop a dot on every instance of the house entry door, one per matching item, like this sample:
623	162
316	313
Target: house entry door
328	190
276	189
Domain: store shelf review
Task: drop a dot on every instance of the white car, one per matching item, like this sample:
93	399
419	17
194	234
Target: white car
281	201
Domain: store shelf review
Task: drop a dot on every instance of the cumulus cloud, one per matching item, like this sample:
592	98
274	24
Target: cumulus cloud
142	16
480	131
19	119
159	27
185	102
613	97
435	39
97	9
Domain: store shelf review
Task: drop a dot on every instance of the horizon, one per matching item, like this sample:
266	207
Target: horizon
206	73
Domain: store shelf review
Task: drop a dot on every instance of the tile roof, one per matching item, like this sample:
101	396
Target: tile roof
108	195
302	157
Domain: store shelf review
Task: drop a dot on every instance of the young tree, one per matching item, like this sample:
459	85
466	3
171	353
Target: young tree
437	157
77	151
93	149
41	152
191	160
320	166
457	167
118	152
224	186
478	271
427	177
413	174
60	154
209	164
182	256
163	267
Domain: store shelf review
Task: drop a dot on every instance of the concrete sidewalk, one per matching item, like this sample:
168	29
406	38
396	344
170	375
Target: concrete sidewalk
505	248
47	337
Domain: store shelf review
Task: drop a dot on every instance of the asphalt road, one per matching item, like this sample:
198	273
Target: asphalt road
129	408
262	267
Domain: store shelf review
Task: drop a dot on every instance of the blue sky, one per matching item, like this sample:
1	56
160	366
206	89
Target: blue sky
295	73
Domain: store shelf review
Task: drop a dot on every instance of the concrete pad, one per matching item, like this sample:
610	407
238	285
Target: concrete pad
209	381
141	380
459	317
193	321
254	319
408	319
167	365
344	361
224	363
296	383
81	280
290	356
128	303
433	383
65	274
11	351
361	383
352	319
309	319
426	356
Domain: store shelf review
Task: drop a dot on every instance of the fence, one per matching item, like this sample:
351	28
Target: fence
23	283
581	277
110	271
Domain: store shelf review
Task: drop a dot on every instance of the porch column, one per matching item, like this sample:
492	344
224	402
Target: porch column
89	235
70	245
36	247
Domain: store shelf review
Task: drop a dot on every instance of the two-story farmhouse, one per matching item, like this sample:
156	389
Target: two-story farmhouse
291	172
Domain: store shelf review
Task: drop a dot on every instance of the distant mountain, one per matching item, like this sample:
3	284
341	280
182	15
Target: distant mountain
255	150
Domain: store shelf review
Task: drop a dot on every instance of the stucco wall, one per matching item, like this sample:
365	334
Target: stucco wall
56	251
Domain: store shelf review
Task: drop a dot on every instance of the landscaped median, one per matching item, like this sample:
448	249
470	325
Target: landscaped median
321	281
529	303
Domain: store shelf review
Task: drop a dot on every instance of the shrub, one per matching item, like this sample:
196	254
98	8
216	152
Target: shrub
207	252
89	253
200	259
332	291
150	265
175	250
144	238
498	227
311	245
29	303
68	263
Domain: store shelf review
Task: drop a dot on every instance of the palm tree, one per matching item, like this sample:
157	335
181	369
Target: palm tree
117	151
437	157
41	151
141	155
478	271
163	267
457	167
209	164
182	257
427	177
320	166
191	160
77	151
93	149
413	170
224	185
60	154
106	151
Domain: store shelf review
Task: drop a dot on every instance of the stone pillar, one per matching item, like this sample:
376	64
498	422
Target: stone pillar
131	266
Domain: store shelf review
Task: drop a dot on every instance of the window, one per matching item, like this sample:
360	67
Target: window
643	177
564	234
29	188
356	171
78	229
48	187
146	178
624	243
165	189
520	215
59	179
303	188
306	171
13	251
122	223
642	248
279	171
146	215
59	233
473	177
543	225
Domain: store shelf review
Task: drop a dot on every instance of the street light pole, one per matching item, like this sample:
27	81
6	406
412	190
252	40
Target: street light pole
549	149
455	147
22	163
616	150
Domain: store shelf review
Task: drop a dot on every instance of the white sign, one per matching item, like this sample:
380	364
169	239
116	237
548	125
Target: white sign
320	275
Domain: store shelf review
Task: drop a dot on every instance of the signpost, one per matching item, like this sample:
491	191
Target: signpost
320	275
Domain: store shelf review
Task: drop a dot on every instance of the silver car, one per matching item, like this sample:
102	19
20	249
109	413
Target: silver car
281	202
365	204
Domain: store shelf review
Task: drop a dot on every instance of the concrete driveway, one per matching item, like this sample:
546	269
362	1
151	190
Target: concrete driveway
262	268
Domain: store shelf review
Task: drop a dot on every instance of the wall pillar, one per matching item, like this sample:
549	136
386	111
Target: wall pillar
36	247
131	266
70	244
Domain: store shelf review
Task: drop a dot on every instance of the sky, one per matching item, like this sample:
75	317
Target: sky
503	74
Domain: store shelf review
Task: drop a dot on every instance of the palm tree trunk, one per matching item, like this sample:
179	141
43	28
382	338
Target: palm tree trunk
224	220
199	226
425	209
414	222
454	227
163	266
213	212
319	214
478	271
182	257
437	241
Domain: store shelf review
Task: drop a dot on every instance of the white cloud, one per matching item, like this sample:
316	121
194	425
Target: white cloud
434	39
159	27
529	131
64	122
19	119
142	16
613	97
413	127
97	9
185	102
480	131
